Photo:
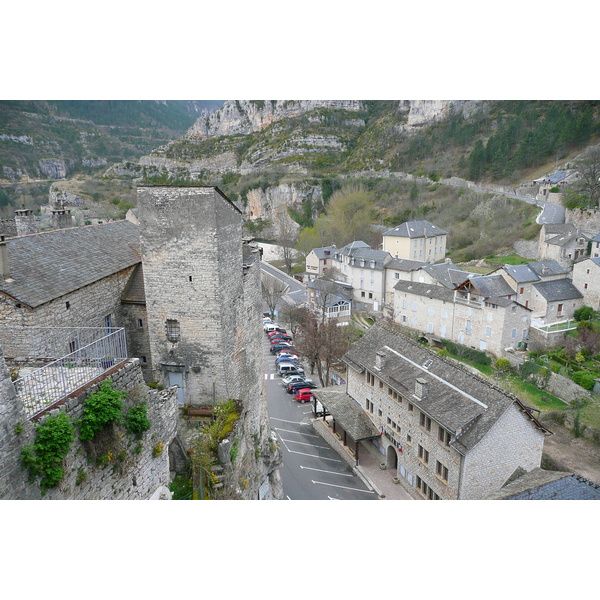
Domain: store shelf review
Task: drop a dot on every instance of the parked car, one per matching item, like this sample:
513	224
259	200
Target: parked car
303	395
294	379
281	336
281	346
278	340
298	385
270	327
288	368
277	330
287	358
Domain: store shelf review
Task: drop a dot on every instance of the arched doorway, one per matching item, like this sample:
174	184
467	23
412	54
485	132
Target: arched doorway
391	458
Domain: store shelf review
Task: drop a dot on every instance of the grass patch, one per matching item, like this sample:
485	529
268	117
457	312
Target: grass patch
510	259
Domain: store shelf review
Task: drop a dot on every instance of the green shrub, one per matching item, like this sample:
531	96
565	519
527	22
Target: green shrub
52	443
502	365
584	378
584	313
100	409
136	419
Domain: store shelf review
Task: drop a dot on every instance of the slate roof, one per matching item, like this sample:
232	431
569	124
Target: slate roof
321	253
596	238
558	289
462	402
360	250
534	271
549	485
135	292
334	291
45	266
415	229
491	286
427	290
351	417
404	264
447	273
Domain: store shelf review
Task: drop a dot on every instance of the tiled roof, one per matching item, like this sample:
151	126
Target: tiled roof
549	485
426	290
521	273
321	253
415	229
404	264
547	268
447	273
134	291
45	266
360	250
459	400
351	417
558	289
490	286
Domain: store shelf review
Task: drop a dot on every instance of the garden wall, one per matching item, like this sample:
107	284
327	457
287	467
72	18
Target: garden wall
135	469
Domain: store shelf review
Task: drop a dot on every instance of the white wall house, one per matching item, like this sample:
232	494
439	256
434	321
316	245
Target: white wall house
416	240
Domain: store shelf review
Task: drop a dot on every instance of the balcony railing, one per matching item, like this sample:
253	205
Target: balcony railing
70	358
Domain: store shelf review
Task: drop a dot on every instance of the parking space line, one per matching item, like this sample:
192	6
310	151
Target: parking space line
306	444
330	472
298	432
343	487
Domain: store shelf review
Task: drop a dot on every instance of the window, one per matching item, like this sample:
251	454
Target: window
396	275
370	379
585	287
442	471
444	314
144	360
371	295
410	407
140	324
369	406
429	327
488	331
444	436
423	455
468	327
190	278
425	422
72	346
408	439
173	332
513	334
68	304
362	294
425	490
522	291
389	391
560	308
430	311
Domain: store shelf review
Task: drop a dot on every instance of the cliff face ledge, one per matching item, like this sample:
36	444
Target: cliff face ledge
247	116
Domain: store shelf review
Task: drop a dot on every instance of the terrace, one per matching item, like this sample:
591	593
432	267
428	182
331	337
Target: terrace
53	362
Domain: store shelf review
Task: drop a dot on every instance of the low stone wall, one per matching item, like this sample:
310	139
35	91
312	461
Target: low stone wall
564	388
132	471
568	421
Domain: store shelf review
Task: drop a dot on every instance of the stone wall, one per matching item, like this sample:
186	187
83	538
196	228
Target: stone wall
132	472
514	441
586	220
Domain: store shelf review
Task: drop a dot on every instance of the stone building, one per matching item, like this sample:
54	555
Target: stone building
416	240
489	323
586	278
185	287
444	432
319	261
562	242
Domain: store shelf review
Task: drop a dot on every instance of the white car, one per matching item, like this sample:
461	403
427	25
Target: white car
292	378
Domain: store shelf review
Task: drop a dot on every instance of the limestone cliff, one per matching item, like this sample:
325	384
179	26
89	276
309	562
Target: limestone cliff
247	116
426	112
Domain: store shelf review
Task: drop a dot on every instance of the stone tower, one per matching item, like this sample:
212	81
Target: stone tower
191	239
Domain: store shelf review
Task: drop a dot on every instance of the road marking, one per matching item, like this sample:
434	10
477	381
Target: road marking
343	487
286	421
298	432
306	444
330	472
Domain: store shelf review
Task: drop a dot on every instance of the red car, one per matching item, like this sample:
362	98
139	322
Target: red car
303	395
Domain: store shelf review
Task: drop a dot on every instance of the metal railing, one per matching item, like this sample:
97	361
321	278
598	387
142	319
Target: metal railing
91	351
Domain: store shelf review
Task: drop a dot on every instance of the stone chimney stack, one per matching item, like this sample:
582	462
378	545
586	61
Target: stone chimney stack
4	271
25	221
420	387
379	360
61	218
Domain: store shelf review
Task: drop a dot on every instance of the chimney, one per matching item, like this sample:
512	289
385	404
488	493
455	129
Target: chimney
4	272
379	360
25	221
61	219
420	387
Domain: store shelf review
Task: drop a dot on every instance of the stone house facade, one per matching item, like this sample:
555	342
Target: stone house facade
586	278
319	261
562	242
445	433
364	269
416	240
490	324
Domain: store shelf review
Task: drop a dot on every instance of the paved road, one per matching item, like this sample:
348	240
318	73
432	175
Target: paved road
551	213
296	291
311	469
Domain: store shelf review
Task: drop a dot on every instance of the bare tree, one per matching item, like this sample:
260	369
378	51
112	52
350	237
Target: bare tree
322	343
272	291
287	236
588	167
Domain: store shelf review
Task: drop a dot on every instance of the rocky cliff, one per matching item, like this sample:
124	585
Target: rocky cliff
247	116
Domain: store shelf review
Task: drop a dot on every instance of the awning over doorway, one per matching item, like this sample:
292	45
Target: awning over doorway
347	413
